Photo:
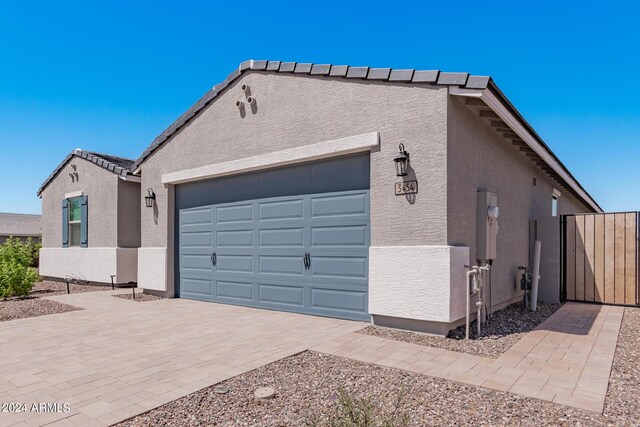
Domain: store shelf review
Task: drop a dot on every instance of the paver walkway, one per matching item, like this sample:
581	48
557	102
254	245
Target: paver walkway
119	358
566	360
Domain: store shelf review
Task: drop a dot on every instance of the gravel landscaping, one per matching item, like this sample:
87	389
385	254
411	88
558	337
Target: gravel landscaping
624	382
307	386
35	305
302	394
140	297
48	288
504	329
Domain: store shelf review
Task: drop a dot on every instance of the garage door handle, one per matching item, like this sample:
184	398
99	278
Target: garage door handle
214	258
307	260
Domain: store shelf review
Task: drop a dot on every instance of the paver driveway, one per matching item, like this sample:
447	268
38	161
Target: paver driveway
118	358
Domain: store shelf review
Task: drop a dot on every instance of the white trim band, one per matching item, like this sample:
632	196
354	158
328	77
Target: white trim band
73	194
321	150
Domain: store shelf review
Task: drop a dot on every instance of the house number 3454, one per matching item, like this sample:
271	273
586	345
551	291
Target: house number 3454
406	187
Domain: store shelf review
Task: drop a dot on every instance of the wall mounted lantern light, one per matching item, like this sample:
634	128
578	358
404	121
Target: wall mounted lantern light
150	198
401	161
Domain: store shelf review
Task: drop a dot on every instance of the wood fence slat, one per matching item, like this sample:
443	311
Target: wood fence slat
580	258
609	258
599	258
590	258
619	293
630	259
570	268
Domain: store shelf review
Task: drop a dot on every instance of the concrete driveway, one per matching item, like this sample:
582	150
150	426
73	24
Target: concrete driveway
118	358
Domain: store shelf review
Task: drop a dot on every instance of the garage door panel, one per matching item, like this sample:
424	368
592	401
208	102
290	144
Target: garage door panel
289	265
339	267
234	263
281	237
340	236
196	217
234	290
339	205
196	286
234	238
197	239
339	300
234	214
197	262
280	294
281	210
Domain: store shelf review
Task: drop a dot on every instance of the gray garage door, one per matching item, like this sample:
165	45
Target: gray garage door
292	239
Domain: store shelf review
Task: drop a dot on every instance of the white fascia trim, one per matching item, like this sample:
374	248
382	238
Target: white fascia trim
132	178
73	194
318	151
497	107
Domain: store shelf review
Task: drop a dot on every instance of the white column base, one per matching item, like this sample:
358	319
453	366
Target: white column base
152	269
425	283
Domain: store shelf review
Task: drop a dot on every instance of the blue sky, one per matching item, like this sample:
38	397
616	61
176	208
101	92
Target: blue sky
110	76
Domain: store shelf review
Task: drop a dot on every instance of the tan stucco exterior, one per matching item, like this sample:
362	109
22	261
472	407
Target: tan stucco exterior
478	158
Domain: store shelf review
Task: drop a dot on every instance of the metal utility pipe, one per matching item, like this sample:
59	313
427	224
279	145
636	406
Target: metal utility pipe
471	275
533	295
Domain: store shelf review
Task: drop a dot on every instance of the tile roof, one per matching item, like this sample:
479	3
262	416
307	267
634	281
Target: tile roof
12	224
117	165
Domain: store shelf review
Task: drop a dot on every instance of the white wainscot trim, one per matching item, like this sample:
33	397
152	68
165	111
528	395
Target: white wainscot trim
152	268
322	150
90	264
418	282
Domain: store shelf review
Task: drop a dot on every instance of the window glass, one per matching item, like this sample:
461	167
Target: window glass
554	206
75	210
75	219
74	234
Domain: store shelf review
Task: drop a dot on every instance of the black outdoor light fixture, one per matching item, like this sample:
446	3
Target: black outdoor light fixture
149	198
401	161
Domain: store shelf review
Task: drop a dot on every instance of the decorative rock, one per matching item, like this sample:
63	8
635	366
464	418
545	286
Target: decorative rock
221	389
264	393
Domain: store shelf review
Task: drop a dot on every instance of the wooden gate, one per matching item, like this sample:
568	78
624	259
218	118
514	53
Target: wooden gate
601	258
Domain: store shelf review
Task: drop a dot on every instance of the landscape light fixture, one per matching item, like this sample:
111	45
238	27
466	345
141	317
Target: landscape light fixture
150	198
401	160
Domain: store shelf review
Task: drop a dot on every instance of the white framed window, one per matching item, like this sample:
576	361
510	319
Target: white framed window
554	202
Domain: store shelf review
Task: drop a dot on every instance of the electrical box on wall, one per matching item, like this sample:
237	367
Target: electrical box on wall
487	225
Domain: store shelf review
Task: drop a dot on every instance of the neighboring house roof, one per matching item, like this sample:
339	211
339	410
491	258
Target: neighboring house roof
428	77
20	225
117	165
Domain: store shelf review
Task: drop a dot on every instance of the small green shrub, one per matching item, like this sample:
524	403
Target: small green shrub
17	275
352	411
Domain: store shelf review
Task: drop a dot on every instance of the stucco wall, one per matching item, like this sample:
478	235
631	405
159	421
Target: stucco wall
129	197
294	111
479	158
100	186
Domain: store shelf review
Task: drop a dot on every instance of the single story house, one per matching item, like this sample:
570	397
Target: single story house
351	192
91	219
22	226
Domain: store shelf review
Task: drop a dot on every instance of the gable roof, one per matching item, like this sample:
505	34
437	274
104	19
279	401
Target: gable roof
118	165
460	82
20	225
429	77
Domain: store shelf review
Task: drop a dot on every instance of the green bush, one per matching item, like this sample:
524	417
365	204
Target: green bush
17	275
352	411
